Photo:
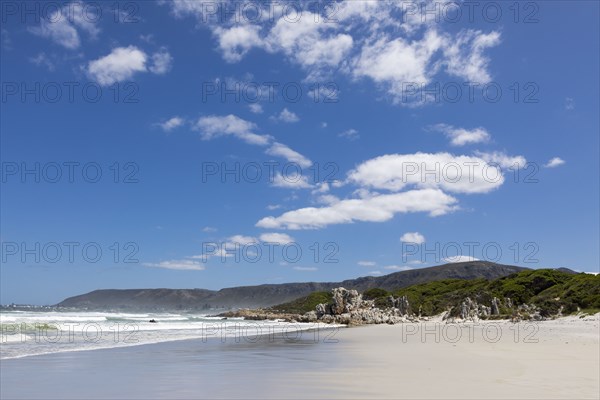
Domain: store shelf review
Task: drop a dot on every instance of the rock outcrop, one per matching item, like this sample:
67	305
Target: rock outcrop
349	307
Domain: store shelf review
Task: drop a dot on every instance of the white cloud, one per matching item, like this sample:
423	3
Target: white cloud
242	240
461	136
279	238
502	159
306	269
273	207
291	181
457	174
350	134
322	187
256	108
236	41
375	209
43	59
376	40
124	62
62	26
287	116
307	43
120	65
554	162
183	265
569	104
412	237
459	258
281	150
214	126
209	229
398	61
375	272
367	263
464	55
328	199
161	62
171	124
398	268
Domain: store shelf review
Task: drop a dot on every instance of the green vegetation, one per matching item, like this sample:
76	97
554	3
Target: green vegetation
380	296
549	290
304	304
545	288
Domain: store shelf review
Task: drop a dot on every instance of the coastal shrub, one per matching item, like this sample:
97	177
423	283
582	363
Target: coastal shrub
549	290
375	293
304	304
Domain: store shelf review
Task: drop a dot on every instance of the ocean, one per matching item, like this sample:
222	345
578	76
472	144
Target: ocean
34	333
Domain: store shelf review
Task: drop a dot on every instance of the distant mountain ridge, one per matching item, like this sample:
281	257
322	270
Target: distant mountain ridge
272	294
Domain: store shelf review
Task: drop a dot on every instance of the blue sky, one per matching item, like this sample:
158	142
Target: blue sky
361	98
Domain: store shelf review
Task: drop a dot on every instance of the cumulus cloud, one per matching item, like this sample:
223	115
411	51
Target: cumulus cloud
287	116
461	136
214	126
464	55
63	26
398	61
236	41
182	265
456	174
161	62
121	64
281	150
308	43
412	237
291	181
554	162
502	159
375	209
172	123
242	240
279	238
379	41
256	108
124	62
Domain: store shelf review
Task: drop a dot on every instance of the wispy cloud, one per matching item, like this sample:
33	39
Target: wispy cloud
350	134
182	265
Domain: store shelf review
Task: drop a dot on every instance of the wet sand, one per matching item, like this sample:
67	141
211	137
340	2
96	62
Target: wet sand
546	360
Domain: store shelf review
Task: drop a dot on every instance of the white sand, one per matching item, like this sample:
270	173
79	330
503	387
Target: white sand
543	360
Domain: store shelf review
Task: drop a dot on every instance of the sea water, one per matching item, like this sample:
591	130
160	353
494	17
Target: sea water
29	333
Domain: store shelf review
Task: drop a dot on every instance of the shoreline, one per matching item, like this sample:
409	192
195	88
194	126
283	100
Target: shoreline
373	361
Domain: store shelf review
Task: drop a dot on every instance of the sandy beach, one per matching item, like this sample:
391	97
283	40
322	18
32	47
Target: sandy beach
500	360
494	360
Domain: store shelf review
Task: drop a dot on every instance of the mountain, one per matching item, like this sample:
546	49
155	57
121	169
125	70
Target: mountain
269	295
